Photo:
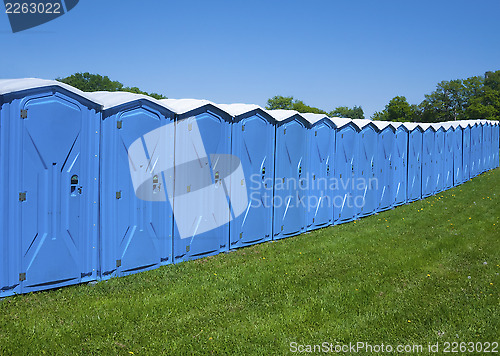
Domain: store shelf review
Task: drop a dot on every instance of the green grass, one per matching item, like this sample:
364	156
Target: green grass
400	277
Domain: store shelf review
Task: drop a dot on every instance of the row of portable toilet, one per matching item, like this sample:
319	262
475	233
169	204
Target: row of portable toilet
97	185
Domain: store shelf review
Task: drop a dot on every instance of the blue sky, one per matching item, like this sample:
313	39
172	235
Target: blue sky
326	53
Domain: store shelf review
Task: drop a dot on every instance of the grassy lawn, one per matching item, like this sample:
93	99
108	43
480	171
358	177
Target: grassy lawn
422	273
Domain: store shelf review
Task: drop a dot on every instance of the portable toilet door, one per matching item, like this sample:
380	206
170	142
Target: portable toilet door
476	138
415	146
385	169
484	145
253	136
202	176
321	150
52	197
457	139
488	146
467	154
345	171
428	159
400	165
439	157
290	171
495	143
137	160
449	147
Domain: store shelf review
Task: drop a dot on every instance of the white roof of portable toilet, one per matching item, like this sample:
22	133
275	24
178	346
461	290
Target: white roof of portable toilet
238	109
111	99
15	85
437	125
396	124
282	115
381	125
424	125
361	123
447	125
412	125
314	118
340	121
182	106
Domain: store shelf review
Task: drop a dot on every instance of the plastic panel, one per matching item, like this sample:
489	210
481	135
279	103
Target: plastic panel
415	143
428	163
458	156
385	170
439	160
400	166
367	172
449	147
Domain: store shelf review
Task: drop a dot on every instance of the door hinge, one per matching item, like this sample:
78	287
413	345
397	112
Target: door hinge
24	114
118	195
22	277
118	263
119	124
22	196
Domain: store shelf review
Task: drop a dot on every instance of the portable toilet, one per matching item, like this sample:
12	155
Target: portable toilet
321	148
385	169
49	154
414	177
476	139
439	156
457	133
488	154
137	161
449	147
202	175
253	140
290	171
346	165
495	142
400	164
367	177
428	159
467	154
484	145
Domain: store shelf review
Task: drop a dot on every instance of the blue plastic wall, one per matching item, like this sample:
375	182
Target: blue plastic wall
50	175
415	151
385	170
253	141
495	144
429	179
200	193
475	138
321	153
449	147
346	167
136	225
367	182
400	166
439	160
291	165
488	149
457	156
467	154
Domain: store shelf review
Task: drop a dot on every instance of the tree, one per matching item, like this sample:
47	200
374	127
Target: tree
486	105
95	82
356	112
280	102
398	109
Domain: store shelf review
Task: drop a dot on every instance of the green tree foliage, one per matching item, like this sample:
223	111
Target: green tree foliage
356	112
398	109
288	103
95	82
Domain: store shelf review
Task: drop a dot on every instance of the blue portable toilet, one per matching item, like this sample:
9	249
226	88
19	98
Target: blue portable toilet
439	157
321	148
367	177
253	141
385	169
290	171
488	152
400	164
484	145
428	160
202	175
476	142
50	186
495	143
415	145
346	165
449	147
467	154
137	161
457	140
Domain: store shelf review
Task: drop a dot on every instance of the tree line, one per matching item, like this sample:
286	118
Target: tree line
476	97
